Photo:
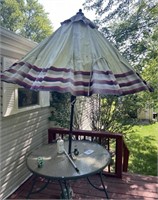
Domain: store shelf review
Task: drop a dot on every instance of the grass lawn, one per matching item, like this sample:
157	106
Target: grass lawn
142	144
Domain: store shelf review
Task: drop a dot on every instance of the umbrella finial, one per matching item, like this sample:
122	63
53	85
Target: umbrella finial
80	12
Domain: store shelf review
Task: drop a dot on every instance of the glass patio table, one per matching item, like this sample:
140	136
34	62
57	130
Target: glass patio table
92	158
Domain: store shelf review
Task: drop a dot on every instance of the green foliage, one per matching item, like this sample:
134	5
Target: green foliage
128	24
115	114
37	25
26	18
143	159
11	14
60	105
132	27
150	74
143	149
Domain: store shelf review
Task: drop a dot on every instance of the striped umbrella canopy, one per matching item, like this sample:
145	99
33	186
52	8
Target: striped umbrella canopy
77	59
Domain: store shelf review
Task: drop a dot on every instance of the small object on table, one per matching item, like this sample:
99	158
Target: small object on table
40	162
60	145
76	152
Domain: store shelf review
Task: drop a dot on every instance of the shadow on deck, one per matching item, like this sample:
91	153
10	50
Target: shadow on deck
131	186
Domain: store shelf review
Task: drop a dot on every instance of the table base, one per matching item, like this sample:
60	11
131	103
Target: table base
66	190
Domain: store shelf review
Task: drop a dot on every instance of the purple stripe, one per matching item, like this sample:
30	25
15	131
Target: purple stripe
76	93
75	83
102	72
55	69
34	67
129	83
48	79
59	89
38	69
63	80
124	74
23	74
134	90
87	73
15	81
65	70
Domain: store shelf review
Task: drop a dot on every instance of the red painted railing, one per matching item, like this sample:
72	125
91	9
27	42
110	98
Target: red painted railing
113	142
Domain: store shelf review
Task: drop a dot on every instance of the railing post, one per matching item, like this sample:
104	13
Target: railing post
51	135
118	163
125	157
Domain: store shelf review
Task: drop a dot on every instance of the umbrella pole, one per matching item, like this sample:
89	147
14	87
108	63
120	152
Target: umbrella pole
73	100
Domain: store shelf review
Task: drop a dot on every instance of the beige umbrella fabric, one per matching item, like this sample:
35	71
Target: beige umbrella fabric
77	59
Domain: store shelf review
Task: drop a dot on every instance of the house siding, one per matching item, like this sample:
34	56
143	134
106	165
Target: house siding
19	135
21	132
145	114
85	110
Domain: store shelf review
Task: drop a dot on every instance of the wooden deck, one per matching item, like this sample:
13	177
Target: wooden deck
131	186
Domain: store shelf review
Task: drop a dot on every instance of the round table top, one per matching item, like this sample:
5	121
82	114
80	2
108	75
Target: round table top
92	158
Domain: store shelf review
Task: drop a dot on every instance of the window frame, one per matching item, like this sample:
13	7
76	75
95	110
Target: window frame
10	94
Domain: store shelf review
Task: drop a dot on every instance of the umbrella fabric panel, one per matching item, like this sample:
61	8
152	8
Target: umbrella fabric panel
78	59
77	47
75	82
53	51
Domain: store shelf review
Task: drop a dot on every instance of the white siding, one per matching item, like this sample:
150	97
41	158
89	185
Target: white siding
85	107
8	90
19	132
145	114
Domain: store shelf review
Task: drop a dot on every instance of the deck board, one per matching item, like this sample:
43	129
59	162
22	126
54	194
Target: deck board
131	186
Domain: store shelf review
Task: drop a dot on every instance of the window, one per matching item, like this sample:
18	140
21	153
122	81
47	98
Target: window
27	98
17	99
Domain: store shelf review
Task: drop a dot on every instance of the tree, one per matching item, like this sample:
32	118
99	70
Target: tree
150	70
128	24
114	114
60	109
11	14
150	74
132	27
26	18
37	25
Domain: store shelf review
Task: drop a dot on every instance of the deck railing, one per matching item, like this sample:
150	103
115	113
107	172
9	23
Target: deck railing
113	142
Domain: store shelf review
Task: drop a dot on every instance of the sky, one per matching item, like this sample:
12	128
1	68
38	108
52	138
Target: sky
60	10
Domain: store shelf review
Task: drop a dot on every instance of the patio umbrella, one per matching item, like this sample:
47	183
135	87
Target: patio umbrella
77	59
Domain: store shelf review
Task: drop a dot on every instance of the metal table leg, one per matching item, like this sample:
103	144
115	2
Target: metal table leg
66	191
39	190
101	189
101	178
